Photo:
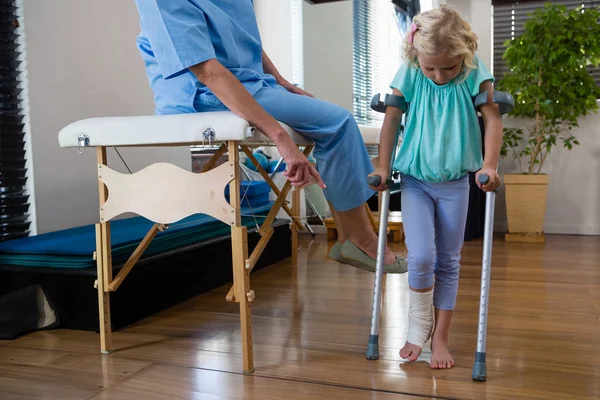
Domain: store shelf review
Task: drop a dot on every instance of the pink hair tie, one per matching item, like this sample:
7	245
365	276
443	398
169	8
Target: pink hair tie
411	35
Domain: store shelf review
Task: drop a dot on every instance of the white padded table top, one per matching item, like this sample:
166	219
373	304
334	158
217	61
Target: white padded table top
177	129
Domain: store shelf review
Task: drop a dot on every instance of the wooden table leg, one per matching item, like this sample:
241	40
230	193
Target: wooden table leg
104	266
243	294
241	276
295	212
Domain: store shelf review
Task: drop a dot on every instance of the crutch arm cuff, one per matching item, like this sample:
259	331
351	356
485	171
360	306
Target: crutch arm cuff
390	100
505	101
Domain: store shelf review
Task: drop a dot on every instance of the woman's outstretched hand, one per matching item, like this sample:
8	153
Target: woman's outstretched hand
295	89
299	171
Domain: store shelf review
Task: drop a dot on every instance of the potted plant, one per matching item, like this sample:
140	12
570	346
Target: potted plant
552	87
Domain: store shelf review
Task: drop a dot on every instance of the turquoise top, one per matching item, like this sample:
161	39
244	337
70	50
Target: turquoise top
442	136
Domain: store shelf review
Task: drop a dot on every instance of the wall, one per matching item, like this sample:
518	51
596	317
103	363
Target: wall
82	62
275	33
573	190
328	52
482	24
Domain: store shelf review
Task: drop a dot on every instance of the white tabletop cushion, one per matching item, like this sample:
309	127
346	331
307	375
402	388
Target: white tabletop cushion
176	129
370	134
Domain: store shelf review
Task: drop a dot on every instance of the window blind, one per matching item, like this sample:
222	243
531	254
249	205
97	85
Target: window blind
14	200
297	42
362	67
376	55
509	22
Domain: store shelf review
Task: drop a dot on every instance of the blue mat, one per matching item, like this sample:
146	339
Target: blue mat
74	248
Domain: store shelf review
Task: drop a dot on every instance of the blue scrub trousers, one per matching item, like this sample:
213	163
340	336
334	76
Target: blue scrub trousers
342	158
434	217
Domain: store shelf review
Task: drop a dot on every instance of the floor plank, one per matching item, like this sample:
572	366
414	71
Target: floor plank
29	373
168	382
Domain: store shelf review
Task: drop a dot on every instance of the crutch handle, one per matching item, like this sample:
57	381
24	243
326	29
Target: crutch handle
373	180
484	178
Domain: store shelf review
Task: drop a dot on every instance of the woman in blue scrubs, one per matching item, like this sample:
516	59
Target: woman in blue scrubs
206	55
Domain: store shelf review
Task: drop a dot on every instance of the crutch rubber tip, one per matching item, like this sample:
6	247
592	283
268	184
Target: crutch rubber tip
479	369
373	348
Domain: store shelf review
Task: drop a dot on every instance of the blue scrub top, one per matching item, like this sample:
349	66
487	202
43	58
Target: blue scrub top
177	34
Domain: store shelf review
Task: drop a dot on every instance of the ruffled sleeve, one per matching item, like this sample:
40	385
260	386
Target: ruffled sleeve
477	76
404	80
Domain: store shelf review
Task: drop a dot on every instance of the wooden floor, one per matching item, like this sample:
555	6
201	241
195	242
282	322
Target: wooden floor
311	327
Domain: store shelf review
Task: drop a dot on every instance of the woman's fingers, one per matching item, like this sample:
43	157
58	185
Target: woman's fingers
297	174
315	174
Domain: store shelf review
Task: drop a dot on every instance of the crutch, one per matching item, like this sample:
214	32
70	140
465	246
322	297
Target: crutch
506	104
373	346
479	366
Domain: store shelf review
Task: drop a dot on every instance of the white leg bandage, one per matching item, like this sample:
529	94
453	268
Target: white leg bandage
420	317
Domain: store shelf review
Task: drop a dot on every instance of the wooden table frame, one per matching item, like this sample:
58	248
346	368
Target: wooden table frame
164	193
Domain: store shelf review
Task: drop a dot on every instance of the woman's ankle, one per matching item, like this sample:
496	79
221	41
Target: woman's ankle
363	239
368	243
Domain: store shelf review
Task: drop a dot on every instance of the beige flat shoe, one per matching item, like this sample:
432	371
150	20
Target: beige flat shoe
361	260
336	253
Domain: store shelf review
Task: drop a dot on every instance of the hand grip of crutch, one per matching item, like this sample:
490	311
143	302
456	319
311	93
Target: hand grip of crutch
375	180
484	178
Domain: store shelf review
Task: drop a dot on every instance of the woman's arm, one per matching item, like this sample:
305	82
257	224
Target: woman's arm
387	141
493	139
236	97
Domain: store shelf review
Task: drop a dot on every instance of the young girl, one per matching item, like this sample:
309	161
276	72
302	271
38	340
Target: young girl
441	145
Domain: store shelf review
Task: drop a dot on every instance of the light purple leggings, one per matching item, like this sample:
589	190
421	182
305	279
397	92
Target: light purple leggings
434	217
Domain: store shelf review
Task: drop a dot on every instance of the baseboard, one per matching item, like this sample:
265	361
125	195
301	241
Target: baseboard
558	229
524	238
571	229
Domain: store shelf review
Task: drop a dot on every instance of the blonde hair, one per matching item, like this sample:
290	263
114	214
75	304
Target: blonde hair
439	31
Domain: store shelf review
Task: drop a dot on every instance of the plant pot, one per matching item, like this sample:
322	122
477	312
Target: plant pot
526	206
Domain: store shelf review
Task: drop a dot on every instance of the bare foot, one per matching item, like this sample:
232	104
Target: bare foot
440	356
410	351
